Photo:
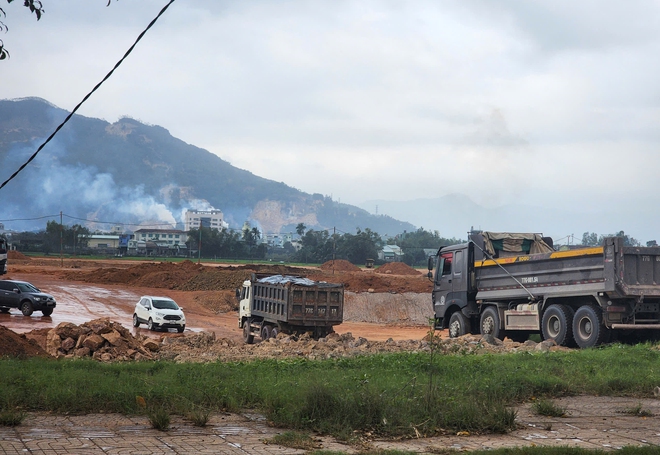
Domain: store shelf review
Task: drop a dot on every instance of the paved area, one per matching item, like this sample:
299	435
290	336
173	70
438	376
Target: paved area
591	422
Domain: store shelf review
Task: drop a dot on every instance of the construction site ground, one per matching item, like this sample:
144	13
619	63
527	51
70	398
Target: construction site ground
386	310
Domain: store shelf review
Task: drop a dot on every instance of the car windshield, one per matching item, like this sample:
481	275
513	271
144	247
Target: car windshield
27	287
165	304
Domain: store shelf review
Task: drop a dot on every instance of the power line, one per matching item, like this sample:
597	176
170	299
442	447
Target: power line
107	76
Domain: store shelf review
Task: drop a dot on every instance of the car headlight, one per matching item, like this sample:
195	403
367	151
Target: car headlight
37	299
160	315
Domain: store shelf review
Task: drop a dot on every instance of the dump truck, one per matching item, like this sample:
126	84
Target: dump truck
513	285
270	304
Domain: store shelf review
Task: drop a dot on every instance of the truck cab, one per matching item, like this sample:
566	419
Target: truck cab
243	295
454	286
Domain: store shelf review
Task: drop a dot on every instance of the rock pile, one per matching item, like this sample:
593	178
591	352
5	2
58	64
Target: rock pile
100	339
14	345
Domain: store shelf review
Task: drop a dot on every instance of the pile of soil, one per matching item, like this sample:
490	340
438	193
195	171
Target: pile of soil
14	345
397	268
340	265
17	255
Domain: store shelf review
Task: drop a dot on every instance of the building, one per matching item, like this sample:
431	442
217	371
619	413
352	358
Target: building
102	241
390	253
277	240
158	242
205	218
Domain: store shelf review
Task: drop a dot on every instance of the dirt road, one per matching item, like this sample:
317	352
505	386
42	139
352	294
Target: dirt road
79	302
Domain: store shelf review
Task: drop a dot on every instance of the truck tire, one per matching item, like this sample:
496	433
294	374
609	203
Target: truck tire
490	322
273	332
265	332
26	308
459	325
557	324
588	328
248	337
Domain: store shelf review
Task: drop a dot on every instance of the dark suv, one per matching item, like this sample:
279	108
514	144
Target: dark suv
24	296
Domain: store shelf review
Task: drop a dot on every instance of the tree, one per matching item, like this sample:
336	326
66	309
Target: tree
35	7
300	229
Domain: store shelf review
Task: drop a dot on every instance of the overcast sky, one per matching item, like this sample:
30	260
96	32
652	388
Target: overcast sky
552	103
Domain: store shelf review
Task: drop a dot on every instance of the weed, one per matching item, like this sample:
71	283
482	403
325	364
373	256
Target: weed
294	440
199	416
11	417
548	408
159	418
637	410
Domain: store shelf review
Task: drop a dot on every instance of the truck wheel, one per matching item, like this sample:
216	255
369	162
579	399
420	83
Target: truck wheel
459	325
557	324
588	327
273	332
136	321
490	322
265	332
26	308
248	337
47	311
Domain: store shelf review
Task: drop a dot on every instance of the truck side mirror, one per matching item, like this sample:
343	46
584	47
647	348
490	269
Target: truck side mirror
238	294
431	263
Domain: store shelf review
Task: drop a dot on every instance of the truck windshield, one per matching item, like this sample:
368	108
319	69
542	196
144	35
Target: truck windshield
165	305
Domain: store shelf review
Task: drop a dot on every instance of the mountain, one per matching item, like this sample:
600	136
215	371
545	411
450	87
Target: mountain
128	172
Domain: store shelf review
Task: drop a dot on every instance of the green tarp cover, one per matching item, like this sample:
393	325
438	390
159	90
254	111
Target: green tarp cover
515	243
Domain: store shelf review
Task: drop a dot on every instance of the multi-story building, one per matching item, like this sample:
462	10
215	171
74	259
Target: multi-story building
205	218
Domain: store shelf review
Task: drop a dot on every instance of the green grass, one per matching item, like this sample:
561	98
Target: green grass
294	440
512	451
393	394
548	408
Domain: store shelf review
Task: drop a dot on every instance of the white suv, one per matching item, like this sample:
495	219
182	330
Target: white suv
159	312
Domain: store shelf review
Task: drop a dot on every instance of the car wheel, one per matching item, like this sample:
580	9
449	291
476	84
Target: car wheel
26	308
4	310
459	325
265	332
136	321
490	322
181	329
151	325
47	311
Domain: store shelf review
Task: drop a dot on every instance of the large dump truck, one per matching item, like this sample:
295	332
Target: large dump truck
269	305
514	285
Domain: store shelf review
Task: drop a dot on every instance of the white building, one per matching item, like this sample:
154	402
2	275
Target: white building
206	218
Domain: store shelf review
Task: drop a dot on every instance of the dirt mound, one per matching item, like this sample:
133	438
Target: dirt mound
397	268
17	255
203	347
340	265
372	282
14	345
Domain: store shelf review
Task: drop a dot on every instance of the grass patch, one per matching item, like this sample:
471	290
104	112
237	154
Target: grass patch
159	417
637	410
11	417
548	408
294	440
630	450
402	394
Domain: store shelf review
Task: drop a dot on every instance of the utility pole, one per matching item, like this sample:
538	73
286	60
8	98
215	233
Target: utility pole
61	239
334	248
199	247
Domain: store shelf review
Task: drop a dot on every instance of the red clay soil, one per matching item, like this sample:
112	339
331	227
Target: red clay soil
13	254
397	268
14	345
339	265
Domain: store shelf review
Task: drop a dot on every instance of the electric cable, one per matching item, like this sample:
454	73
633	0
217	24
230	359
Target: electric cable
107	76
